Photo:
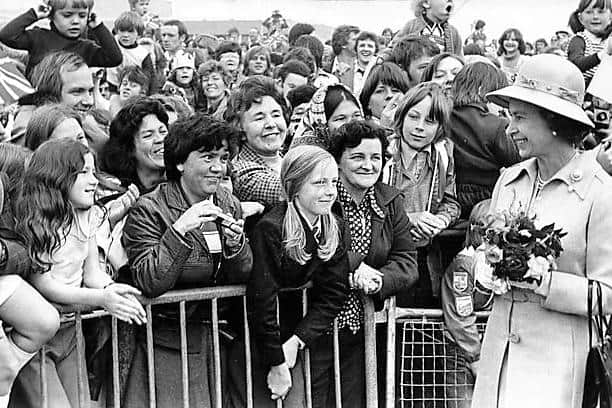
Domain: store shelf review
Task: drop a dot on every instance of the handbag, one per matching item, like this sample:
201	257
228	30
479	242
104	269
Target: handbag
598	374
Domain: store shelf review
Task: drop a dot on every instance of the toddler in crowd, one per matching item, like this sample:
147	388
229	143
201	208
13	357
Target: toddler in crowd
70	21
184	76
141	7
128	30
461	297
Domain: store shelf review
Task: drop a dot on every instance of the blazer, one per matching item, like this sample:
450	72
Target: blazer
273	271
540	344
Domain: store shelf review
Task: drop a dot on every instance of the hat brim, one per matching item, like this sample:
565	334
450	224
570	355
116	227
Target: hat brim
541	99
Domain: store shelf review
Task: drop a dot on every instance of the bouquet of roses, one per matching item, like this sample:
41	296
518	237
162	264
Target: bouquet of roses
514	251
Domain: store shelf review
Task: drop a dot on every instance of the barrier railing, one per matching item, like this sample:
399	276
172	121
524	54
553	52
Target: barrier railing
418	381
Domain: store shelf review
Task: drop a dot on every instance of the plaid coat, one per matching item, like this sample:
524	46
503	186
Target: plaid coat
254	180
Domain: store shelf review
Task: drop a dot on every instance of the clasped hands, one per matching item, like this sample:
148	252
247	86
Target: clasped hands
366	278
206	211
279	376
426	225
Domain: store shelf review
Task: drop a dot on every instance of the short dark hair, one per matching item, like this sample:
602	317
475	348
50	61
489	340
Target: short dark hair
315	46
386	73
432	67
301	54
182	28
351	135
197	132
297	30
340	37
336	94
293	67
228	46
301	94
570	130
479	24
474	81
251	91
410	48
519	38
136	74
117	155
367	35
129	21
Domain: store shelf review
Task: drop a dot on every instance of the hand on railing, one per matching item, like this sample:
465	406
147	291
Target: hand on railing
279	381
120	301
290	349
367	279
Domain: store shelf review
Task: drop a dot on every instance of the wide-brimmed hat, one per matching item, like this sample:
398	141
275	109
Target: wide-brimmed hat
550	82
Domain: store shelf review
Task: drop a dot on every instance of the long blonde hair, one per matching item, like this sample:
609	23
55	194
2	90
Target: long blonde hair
298	164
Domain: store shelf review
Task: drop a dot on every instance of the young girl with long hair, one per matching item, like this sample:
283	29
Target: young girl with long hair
591	23
29	331
297	241
57	218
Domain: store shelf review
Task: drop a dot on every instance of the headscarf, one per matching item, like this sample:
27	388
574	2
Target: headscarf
313	129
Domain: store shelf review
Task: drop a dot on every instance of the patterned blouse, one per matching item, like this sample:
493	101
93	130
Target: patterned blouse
359	219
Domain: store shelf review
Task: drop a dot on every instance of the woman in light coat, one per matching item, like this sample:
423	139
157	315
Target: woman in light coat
536	343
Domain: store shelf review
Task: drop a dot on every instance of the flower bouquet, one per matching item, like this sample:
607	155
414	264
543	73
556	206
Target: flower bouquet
514	251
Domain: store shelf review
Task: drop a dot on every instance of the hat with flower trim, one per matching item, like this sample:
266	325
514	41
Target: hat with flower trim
550	82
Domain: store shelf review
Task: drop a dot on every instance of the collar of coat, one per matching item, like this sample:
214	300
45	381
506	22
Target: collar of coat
578	174
177	200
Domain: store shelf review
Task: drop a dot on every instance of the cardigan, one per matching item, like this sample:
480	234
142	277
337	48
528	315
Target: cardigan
273	271
102	51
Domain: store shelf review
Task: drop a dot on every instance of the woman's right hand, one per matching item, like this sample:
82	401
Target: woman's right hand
120	301
279	381
195	216
43	10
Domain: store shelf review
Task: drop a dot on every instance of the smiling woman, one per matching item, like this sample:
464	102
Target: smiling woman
134	152
260	111
173	240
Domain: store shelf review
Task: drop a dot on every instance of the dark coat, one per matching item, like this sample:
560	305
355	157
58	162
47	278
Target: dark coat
391	251
101	51
161	260
273	270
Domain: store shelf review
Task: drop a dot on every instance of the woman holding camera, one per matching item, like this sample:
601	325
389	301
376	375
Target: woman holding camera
187	233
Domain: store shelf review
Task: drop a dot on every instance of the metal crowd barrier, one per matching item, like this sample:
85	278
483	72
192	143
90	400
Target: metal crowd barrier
421	380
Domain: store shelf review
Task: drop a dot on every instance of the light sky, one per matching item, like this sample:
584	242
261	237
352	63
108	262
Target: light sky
535	18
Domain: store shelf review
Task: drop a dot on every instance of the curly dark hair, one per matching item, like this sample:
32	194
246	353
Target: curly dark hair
117	156
340	37
198	132
351	135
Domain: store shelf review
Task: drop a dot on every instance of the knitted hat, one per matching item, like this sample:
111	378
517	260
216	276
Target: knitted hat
182	60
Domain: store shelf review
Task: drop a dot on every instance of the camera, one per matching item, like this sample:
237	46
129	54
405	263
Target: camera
602	113
225	220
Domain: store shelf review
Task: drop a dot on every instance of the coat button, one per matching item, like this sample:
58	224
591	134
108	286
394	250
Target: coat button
514	338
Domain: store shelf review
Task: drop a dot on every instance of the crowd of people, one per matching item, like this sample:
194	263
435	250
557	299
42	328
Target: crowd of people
149	159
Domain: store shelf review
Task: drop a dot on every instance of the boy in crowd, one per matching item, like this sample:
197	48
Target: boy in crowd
412	54
292	74
229	54
366	48
128	29
70	21
141	7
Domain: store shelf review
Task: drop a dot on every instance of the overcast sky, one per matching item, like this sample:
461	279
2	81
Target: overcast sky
535	18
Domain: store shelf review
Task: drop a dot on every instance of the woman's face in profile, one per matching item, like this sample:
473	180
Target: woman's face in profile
529	130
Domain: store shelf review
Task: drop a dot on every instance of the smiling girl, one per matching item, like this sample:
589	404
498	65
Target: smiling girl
592	24
511	52
57	218
69	21
424	170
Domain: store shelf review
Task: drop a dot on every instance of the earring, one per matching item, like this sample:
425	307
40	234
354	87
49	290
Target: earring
554	133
